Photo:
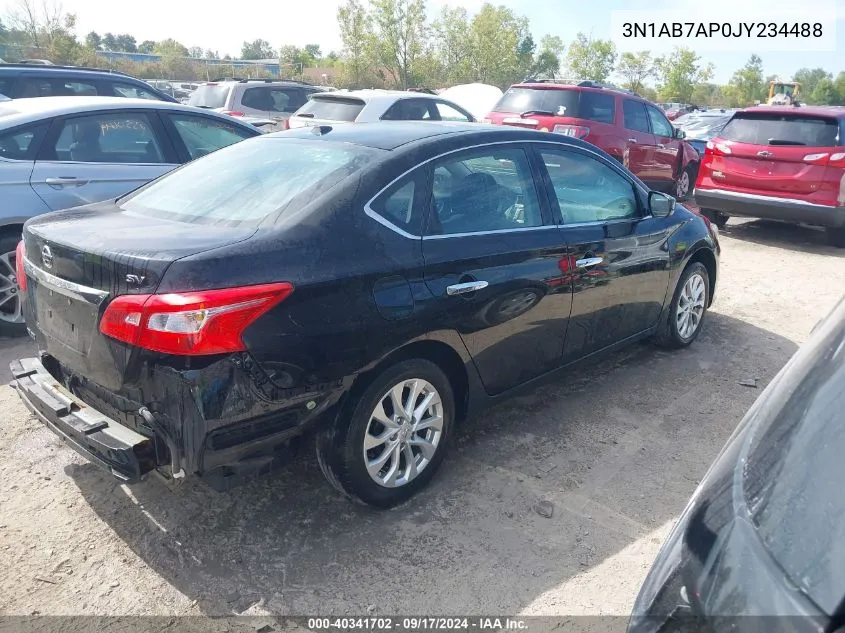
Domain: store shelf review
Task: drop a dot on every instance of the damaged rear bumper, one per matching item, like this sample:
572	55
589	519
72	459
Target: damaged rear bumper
120	450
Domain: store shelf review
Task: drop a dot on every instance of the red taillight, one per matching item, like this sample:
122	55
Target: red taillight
19	267
837	160
233	113
286	124
190	323
576	131
717	148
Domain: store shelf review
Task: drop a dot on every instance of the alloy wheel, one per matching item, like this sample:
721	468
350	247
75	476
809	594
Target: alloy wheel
10	298
683	185
403	433
691	306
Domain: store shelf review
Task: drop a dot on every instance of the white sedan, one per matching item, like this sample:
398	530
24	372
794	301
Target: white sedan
369	106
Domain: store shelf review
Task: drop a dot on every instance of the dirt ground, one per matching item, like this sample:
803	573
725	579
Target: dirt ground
617	448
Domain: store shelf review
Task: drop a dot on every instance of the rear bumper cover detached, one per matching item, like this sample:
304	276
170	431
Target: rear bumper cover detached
769	207
118	449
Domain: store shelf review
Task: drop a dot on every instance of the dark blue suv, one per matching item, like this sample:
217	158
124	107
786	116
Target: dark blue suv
19	81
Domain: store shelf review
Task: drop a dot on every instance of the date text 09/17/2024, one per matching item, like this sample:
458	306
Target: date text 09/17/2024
417	623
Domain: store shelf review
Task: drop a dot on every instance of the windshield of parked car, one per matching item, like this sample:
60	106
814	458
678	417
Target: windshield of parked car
581	104
332	108
244	183
795	470
209	96
770	128
701	126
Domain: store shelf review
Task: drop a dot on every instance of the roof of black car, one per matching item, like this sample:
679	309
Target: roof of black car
390	135
64	70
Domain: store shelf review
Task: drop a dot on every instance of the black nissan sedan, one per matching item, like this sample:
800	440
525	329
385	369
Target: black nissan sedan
373	284
761	544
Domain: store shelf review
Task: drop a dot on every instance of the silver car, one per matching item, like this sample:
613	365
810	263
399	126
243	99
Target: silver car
369	106
253	97
61	152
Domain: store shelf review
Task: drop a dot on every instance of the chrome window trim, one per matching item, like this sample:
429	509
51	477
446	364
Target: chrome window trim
368	209
63	286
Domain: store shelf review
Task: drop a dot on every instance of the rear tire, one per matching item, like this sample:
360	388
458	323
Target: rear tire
686	182
687	310
716	217
11	318
836	237
382	453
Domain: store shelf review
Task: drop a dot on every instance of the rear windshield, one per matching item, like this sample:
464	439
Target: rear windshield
244	183
763	128
580	104
795	470
332	108
209	96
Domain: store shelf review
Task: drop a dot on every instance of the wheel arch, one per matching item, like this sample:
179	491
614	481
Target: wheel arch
706	257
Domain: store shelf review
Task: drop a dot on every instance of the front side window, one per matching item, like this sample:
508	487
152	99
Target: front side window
659	123
588	190
204	135
22	143
488	190
108	138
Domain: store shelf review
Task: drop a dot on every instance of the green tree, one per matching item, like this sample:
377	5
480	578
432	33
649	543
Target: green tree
147	46
747	85
126	43
635	69
94	41
497	37
195	52
313	53
109	42
591	59
355	24
452	45
824	93
839	87
547	61
170	48
552	44
399	37
257	49
678	74
809	79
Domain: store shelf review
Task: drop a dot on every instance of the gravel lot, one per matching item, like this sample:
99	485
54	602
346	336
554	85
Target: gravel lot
617	448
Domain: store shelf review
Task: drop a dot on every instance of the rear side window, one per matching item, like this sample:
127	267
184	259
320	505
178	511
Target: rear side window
244	183
29	87
132	92
332	108
412	110
209	96
580	104
204	135
635	116
22	143
764	128
397	205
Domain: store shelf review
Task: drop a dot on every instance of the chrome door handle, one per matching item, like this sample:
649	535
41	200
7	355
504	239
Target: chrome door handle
633	140
470	286
660	146
61	181
589	261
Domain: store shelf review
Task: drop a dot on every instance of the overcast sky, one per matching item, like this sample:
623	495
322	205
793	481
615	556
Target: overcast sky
301	22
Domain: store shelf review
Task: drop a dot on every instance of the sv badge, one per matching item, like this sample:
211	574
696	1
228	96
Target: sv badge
135	280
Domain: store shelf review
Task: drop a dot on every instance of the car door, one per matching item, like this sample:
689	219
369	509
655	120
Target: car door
667	148
100	155
494	263
411	109
196	135
618	252
18	148
639	141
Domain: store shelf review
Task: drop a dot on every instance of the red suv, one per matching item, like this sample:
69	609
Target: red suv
779	163
632	130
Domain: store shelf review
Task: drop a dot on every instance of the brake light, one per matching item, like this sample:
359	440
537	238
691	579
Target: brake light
233	113
20	271
717	149
837	160
286	124
814	158
191	323
576	131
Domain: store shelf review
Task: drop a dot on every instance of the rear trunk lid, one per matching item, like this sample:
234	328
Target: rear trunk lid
78	260
774	153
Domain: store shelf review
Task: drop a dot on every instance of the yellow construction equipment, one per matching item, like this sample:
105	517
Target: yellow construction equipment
783	92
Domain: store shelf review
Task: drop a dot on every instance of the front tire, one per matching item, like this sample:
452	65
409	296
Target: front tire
391	439
686	313
836	237
716	217
11	316
685	183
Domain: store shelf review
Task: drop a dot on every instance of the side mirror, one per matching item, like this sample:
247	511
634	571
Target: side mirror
680	134
661	205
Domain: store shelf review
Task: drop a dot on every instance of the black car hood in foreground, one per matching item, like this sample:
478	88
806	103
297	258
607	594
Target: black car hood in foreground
761	545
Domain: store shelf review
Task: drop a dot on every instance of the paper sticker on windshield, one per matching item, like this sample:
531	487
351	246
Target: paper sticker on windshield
561	111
